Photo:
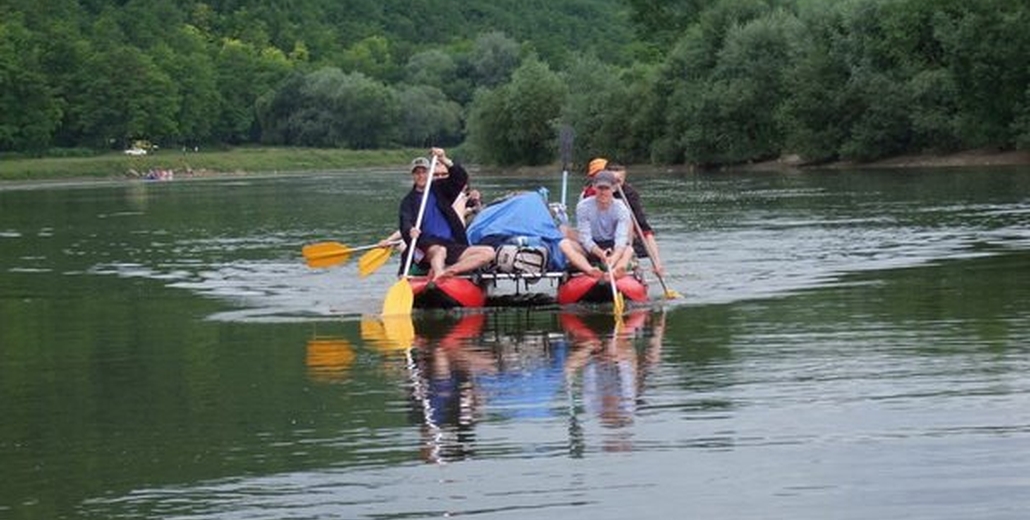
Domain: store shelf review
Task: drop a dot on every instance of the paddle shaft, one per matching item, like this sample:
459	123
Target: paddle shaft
565	137
636	227
335	249
421	213
370	246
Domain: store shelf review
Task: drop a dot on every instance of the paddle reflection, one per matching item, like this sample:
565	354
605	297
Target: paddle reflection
444	362
328	359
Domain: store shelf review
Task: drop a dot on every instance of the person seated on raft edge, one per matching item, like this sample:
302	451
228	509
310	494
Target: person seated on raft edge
602	227
441	239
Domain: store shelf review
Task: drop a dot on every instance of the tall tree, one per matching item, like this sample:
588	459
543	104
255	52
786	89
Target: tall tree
126	96
516	122
428	118
29	111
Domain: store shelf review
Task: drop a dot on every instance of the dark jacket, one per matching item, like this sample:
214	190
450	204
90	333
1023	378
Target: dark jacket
446	192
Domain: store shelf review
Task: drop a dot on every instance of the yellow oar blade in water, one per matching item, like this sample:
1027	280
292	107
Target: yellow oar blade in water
371	261
400	330
399	299
388	334
618	303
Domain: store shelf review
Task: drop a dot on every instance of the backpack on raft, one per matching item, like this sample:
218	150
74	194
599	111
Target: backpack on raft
516	259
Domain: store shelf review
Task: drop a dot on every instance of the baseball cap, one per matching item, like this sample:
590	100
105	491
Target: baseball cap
420	162
604	178
596	165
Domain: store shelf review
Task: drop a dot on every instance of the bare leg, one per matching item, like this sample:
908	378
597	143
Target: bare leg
472	258
575	255
437	257
621	261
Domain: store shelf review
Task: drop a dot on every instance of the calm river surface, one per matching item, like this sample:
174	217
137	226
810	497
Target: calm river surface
850	345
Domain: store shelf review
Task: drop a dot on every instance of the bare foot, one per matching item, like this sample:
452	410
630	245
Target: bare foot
446	273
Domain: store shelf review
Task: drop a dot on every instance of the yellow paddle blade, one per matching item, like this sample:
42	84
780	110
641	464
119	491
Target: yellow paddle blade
329	261
325	254
372	329
399	299
371	261
671	294
387	338
400	331
618	303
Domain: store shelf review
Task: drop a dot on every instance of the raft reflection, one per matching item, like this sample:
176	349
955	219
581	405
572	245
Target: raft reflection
465	369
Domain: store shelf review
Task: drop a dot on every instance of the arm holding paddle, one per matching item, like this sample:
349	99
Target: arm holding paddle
399	298
641	227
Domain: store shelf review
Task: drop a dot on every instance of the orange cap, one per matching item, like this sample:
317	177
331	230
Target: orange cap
596	165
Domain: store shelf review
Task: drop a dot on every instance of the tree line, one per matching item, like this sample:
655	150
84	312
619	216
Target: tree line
705	82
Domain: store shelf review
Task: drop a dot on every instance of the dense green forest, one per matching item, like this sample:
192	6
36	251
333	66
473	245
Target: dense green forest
679	81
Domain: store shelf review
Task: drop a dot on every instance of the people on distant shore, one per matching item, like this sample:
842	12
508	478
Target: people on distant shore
441	239
602	231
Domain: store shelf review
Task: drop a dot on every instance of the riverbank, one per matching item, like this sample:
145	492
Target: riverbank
981	157
167	164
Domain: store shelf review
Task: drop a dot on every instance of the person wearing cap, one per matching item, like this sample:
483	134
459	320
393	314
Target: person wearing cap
603	230
641	244
441	240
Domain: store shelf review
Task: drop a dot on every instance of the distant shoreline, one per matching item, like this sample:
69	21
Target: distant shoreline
984	158
953	160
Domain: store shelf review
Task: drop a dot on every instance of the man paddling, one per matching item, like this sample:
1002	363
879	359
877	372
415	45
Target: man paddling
441	240
603	230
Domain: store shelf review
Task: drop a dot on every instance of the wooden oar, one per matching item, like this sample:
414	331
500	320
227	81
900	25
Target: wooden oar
400	298
327	254
371	261
670	294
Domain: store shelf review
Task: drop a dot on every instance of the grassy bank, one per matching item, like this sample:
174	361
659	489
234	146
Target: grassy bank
249	160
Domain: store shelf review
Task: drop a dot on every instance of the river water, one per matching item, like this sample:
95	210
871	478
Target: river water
849	344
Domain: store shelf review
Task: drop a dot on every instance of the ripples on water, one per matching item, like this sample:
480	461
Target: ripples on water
839	353
727	245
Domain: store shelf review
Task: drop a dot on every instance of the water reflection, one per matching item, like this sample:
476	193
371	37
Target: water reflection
444	365
610	369
329	359
464	369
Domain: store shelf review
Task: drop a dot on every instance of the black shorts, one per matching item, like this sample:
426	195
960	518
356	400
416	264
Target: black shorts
603	244
454	250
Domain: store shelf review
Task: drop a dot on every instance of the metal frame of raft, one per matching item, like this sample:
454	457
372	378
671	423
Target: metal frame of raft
472	290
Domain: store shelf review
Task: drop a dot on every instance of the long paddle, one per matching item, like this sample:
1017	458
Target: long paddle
326	254
400	298
565	138
618	303
670	294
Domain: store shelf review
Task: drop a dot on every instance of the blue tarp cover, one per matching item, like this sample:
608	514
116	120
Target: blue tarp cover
521	216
